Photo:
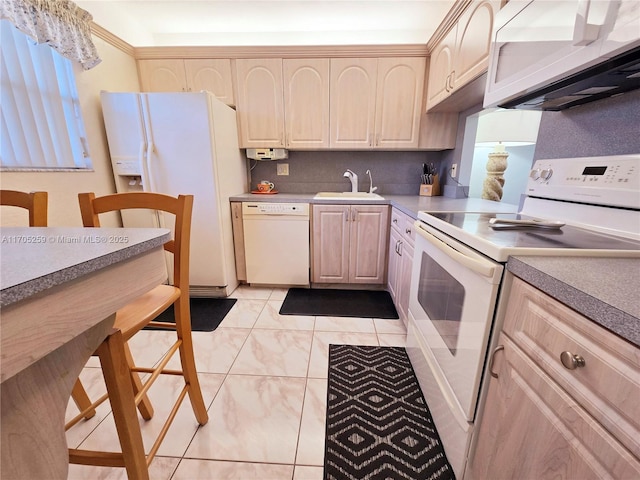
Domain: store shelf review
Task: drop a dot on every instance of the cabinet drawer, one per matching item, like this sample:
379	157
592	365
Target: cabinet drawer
397	219
408	230
403	224
531	429
607	386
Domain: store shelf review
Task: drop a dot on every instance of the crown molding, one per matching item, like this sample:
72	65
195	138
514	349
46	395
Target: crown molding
112	39
447	23
294	51
297	51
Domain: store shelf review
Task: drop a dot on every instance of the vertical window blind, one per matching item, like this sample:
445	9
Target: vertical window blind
42	126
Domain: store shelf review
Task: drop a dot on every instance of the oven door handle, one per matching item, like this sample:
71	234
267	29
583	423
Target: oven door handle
482	267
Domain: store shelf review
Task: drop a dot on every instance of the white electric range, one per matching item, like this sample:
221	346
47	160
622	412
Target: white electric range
579	207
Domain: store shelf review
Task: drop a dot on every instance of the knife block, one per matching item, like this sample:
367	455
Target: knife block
432	190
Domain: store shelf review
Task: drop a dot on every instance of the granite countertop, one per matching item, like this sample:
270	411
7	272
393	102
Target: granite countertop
37	258
408	204
605	290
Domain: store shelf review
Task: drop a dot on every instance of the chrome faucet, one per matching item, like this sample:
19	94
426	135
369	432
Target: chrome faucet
353	178
371	187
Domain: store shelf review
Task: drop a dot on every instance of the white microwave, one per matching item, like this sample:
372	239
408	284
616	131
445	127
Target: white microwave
540	46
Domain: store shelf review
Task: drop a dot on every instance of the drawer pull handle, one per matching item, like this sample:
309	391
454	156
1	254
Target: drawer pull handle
493	355
571	361
408	231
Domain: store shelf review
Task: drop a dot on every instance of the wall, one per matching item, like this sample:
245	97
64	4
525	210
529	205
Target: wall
606	127
116	72
394	173
465	140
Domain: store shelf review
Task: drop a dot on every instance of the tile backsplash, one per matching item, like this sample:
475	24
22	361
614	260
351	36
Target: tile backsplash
394	173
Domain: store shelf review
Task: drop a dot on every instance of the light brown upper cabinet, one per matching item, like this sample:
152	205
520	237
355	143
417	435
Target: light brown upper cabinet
462	55
306	102
260	105
376	103
353	102
190	75
399	102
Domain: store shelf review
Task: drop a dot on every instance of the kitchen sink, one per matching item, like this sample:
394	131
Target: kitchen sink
347	196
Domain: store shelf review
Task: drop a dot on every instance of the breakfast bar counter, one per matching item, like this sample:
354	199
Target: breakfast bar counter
60	289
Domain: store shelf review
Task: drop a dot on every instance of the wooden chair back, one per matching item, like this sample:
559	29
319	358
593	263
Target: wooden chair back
181	207
35	202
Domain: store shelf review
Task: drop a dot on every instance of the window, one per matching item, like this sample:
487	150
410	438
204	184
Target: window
41	123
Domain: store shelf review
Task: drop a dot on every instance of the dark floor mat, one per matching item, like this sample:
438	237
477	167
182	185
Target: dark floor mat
206	313
378	422
338	303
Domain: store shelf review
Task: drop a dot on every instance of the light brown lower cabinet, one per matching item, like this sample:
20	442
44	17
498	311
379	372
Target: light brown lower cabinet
238	240
545	420
401	242
349	243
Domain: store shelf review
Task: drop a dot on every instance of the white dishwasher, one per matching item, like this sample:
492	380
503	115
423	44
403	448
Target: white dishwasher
276	242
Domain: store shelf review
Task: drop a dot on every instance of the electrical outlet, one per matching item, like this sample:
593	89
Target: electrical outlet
282	169
454	170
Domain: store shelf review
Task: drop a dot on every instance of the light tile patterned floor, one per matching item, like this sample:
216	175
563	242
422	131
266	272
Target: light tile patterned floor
263	376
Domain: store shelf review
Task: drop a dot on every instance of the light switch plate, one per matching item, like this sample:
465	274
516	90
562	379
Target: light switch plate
282	169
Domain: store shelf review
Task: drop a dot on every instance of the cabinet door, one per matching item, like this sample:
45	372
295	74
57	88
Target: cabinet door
440	68
352	102
399	102
473	41
211	74
331	244
368	243
395	240
260	105
404	281
306	99
164	75
531	428
607	386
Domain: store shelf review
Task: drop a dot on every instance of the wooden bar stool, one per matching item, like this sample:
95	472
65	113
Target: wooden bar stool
130	320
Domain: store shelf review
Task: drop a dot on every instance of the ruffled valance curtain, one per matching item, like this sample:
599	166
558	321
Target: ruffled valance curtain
60	23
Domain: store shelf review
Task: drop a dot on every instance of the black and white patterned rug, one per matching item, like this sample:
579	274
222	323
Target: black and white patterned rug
378	423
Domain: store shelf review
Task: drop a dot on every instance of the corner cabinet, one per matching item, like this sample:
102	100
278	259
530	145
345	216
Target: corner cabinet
192	75
563	402
349	243
376	102
462	55
260	105
401	248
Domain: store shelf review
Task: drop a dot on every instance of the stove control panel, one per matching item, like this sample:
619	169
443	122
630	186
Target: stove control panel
611	180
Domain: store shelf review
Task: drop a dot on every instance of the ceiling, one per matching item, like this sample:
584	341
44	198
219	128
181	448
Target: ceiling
146	23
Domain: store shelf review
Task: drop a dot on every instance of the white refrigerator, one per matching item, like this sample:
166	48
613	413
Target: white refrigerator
181	143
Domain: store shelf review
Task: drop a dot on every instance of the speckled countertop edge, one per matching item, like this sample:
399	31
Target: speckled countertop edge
408	204
15	293
617	315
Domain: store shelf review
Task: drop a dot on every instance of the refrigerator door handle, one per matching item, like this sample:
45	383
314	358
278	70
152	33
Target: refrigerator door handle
148	167
143	165
144	107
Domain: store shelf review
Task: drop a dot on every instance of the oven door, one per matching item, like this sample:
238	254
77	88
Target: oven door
452	301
